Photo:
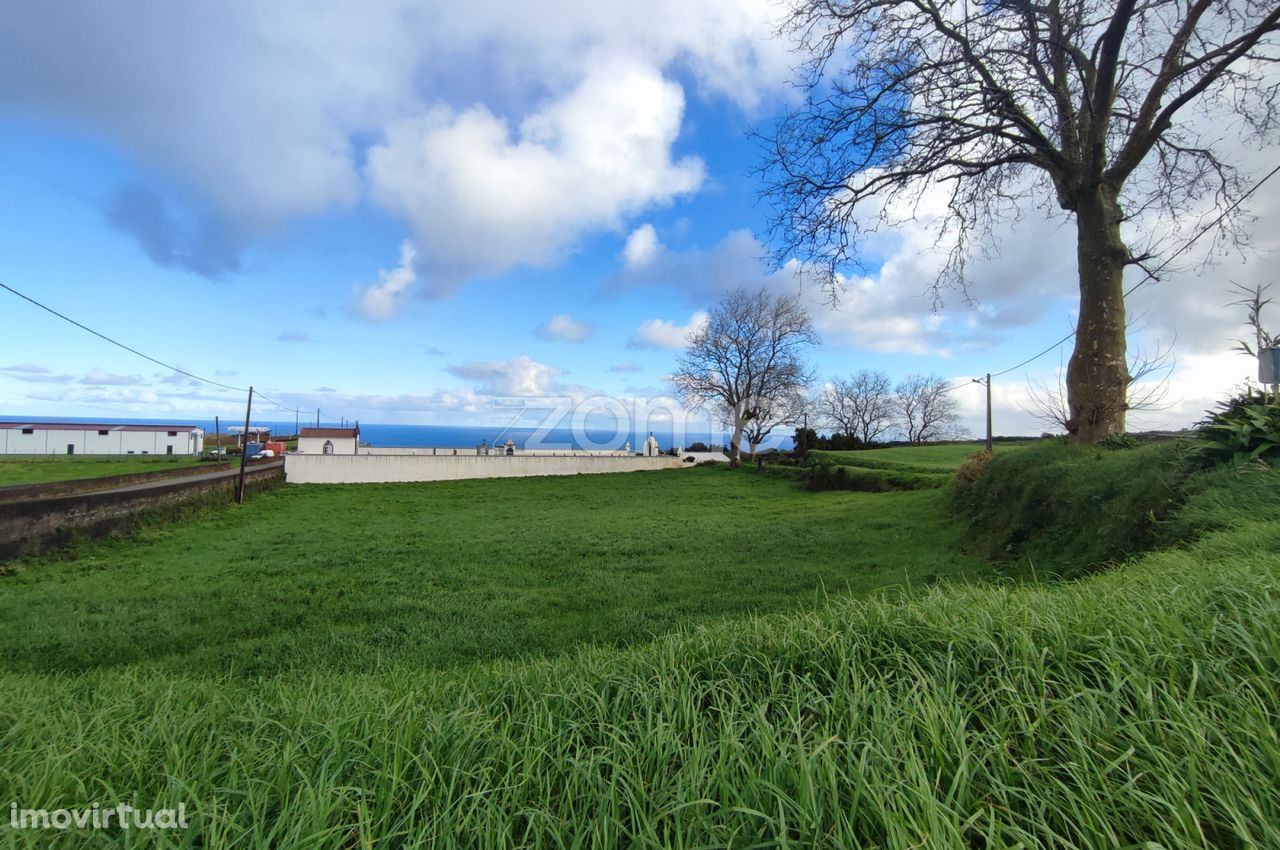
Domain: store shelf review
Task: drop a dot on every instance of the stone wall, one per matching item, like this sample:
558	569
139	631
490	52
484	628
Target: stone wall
37	525
374	469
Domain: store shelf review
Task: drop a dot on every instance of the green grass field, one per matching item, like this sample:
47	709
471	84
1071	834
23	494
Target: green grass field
36	469
436	575
391	667
944	458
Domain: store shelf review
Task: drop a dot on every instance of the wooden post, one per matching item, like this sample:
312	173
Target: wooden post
248	411
217	436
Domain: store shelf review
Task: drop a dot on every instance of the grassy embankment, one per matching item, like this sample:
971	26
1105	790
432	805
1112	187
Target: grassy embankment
36	469
1135	708
881	470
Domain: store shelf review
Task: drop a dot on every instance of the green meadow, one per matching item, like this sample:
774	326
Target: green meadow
694	658
36	469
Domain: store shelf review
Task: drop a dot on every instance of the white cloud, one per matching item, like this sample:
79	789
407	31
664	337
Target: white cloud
661	333
26	369
642	247
565	328
484	196
384	299
260	113
102	378
519	376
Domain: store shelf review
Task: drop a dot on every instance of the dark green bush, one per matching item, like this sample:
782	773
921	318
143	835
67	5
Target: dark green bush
835	477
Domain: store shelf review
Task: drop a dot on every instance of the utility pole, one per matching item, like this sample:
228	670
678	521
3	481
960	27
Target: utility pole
988	412
987	381
248	411
295	421
217	436
317	417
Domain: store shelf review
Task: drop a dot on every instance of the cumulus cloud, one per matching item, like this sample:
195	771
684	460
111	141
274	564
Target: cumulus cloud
565	328
460	100
642	247
662	333
384	299
324	390
484	196
519	376
207	246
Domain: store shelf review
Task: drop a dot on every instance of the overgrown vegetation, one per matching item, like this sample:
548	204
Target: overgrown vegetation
1066	509
1242	430
1132	709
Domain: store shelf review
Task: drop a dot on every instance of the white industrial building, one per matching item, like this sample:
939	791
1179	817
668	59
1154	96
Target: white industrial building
328	441
78	438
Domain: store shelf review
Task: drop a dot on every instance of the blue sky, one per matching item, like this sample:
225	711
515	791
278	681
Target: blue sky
398	212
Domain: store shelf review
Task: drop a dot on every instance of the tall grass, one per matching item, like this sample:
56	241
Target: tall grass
1137	708
1070	508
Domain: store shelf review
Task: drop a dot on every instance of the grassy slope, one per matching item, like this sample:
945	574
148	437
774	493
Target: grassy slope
440	574
29	469
1133	709
943	458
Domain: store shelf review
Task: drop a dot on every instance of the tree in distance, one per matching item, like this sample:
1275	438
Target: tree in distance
747	360
861	405
926	411
1120	112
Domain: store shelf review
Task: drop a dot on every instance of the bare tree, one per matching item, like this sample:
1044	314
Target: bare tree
748	357
926	411
1255	300
790	409
1149	383
861	405
1085	102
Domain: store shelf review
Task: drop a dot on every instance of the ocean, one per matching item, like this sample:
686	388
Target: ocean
449	436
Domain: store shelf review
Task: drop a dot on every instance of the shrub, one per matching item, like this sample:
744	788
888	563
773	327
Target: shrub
1244	429
969	473
1120	442
835	477
1071	508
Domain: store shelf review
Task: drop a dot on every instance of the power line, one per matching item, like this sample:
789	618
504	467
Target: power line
138	353
119	344
1152	274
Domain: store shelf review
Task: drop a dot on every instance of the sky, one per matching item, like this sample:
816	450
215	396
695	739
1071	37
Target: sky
415	212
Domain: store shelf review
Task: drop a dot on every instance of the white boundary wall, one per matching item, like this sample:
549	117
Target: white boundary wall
376	469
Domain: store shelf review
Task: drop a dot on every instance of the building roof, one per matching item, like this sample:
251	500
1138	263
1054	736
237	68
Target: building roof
329	432
90	426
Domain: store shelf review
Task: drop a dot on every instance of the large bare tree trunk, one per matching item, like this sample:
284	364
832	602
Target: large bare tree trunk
735	444
1098	373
